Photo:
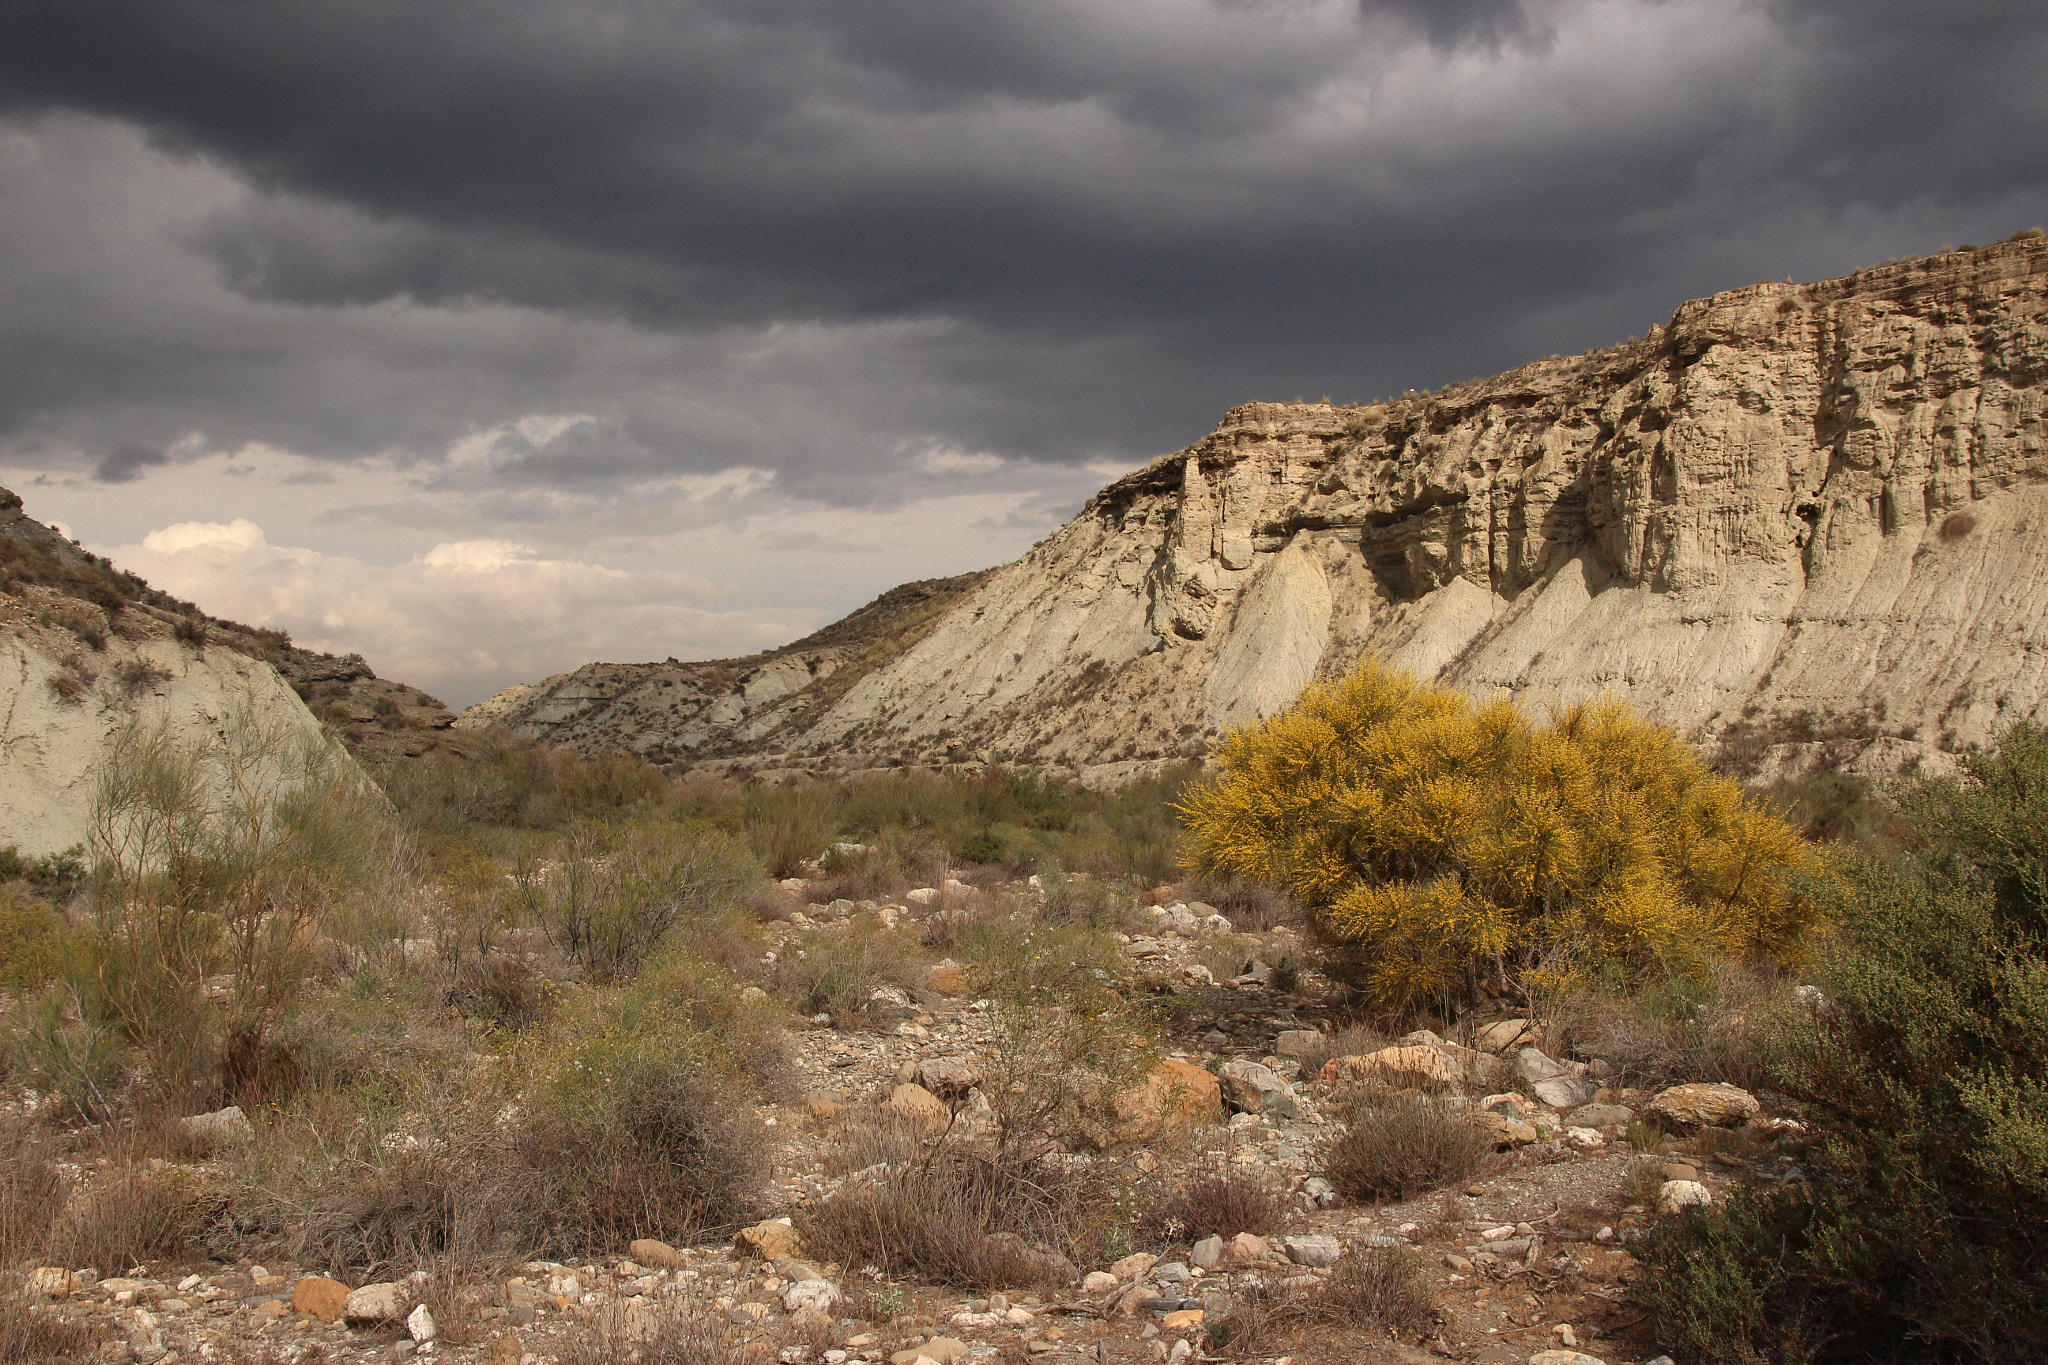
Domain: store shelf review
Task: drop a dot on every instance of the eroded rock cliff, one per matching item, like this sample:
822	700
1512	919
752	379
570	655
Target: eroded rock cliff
1795	516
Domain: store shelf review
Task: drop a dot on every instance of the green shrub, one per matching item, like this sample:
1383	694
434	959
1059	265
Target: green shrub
608	897
837	972
1925	1071
34	941
218	859
631	1118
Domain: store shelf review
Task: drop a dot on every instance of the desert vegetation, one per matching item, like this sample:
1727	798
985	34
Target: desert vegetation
1233	1053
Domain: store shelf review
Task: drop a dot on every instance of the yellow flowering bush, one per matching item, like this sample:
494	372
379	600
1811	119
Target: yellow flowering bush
1453	849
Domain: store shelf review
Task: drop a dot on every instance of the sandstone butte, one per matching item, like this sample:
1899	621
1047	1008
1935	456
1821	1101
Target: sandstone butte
1797	518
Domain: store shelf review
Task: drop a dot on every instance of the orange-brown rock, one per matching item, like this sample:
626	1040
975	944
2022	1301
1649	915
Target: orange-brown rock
1172	1095
319	1297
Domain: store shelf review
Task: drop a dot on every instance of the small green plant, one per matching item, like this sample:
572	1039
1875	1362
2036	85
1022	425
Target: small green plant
1923	1065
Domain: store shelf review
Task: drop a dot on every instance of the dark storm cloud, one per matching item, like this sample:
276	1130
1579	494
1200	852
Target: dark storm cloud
125	463
1077	229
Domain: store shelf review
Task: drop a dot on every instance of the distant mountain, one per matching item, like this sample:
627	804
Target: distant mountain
1795	520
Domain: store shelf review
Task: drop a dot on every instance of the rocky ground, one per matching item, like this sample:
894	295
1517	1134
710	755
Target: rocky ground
1531	1257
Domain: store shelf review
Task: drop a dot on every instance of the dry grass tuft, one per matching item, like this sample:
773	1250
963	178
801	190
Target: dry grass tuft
31	1335
671	1334
130	1219
958	1217
1212	1202
1401	1146
1375	1288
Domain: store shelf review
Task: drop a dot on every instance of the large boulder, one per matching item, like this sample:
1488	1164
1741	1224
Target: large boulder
1252	1088
1172	1095
1553	1082
1714	1105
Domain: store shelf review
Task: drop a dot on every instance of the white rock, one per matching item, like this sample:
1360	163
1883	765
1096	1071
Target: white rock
419	1325
1674	1195
222	1126
381	1302
820	1295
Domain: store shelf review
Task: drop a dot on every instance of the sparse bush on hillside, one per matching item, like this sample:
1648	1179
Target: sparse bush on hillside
1461	850
1924	1069
838	974
1063	1036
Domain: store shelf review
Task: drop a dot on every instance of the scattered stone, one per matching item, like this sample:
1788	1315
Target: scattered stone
1712	1105
647	1251
1172	1095
1558	1357
52	1282
223	1127
1600	1116
1674	1195
1502	1130
419	1324
1298	1042
373	1303
1253	1089
1313	1251
506	1350
941	1350
1181	1319
1132	1266
319	1297
1246	1247
1554	1083
1098	1282
1506	1036
771	1239
1405	1068
948	1077
919	1106
816	1295
1172	1272
1207	1254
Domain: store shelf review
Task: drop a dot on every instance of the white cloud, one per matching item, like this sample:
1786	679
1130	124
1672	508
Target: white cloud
460	619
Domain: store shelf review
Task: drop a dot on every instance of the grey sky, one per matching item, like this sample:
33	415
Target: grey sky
794	299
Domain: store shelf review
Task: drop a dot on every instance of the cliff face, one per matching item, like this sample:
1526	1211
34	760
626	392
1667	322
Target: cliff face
1797	515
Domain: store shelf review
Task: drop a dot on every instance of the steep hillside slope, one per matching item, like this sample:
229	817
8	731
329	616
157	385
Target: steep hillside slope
87	651
375	717
1795	516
